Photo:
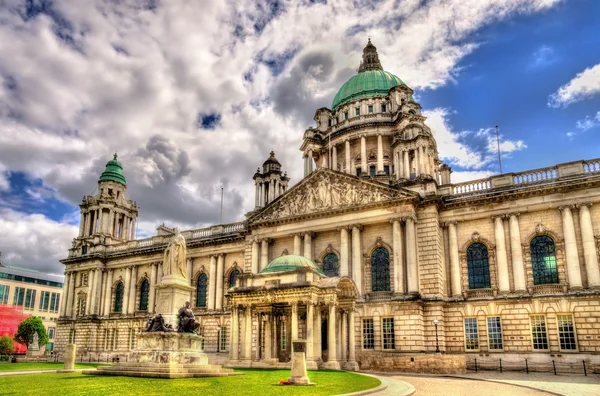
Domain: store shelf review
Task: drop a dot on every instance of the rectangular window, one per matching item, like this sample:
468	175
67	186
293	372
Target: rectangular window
346	115
44	300
4	290
389	341
223	339
539	336
370	108
30	299
358	171
357	111
494	333
383	109
19	297
51	333
54	302
330	122
471	334
368	334
372	170
566	332
386	169
283	336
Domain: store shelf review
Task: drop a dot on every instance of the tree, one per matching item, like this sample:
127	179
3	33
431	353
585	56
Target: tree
6	345
28	328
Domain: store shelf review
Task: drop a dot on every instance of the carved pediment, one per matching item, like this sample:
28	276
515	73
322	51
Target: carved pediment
326	190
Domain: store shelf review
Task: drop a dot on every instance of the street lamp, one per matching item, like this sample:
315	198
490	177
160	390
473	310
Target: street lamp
437	344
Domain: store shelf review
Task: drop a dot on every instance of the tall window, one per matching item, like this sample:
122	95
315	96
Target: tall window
29	299
539	336
372	170
358	171
222	339
386	169
51	333
471	334
233	277
380	270
368	334
478	266
144	293
19	296
345	115
566	333
4	290
494	333
389	341
118	307
81	305
331	265
357	111
54	300
543	260
370	108
383	109
201	291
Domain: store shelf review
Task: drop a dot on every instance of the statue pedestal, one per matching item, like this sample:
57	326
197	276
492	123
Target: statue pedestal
169	347
173	292
299	375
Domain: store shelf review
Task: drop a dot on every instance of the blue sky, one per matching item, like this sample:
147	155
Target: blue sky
195	95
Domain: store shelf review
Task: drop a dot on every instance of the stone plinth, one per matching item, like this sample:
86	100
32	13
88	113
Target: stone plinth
173	292
70	354
299	375
159	347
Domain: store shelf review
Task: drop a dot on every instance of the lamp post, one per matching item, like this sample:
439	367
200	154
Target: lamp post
437	344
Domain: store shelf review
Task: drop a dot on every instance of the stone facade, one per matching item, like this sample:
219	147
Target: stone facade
506	265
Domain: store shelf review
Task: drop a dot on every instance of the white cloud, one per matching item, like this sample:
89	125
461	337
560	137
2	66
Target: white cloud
462	176
582	86
589	122
117	76
542	57
4	182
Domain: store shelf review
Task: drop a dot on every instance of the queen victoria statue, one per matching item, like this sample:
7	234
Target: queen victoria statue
174	262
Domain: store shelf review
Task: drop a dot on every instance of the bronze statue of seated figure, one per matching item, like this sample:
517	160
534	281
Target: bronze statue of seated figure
187	321
157	323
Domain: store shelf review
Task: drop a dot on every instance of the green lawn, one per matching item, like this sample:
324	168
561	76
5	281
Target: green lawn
43	366
254	382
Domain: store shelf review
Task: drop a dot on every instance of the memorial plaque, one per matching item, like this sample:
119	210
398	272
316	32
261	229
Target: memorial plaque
299	346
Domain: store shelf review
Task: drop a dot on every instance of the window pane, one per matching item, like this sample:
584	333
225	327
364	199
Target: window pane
201	291
494	333
538	332
380	270
233	277
357	111
19	297
358	171
368	334
372	170
370	109
478	266
386	169
566	332
223	339
383	108
119	298
331	265
543	260
144	294
471	334
388	334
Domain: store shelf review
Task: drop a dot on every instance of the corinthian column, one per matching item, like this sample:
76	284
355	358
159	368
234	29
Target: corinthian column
235	328
412	265
398	257
132	290
71	295
308	245
108	292
363	154
379	154
455	279
351	341
344	252
294	321
255	257
220	267
152	293
334	157
126	292
297	245
264	254
573	269
357	257
406	164
332	362
90	294
589	246
212	282
248	334
97	292
501	259
65	296
347	154
516	253
309	331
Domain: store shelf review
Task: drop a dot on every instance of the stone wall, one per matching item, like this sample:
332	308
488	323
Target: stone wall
417	363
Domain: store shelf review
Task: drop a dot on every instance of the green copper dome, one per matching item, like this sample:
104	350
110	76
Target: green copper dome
289	262
113	172
365	84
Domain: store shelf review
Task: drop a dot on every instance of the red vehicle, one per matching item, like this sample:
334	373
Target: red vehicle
10	317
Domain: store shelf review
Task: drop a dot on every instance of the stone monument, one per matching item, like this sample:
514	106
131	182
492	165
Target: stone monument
169	346
299	375
69	359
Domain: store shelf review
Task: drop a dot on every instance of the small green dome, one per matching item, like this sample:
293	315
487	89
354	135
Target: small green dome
113	172
365	84
289	262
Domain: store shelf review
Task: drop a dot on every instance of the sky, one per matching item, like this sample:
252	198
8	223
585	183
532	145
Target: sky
193	95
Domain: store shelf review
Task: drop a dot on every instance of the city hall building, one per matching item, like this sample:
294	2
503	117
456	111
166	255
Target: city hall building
375	257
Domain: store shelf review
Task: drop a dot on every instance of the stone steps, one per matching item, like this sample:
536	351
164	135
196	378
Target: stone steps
154	370
154	374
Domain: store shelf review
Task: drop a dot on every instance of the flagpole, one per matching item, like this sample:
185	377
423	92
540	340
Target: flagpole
498	142
221	222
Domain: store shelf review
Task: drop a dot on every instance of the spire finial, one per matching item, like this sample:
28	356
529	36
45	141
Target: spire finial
115	156
370	59
272	153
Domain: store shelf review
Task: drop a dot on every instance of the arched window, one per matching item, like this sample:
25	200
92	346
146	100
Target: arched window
118	298
478	266
543	260
201	291
233	277
380	270
331	265
144	293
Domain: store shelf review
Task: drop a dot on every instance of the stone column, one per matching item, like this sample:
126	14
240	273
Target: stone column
82	224
97	292
255	256
90	292
220	269
297	245
257	195
351	341
501	259
308	245
344	252
348	158
212	282
455	271
332	362
262	194
65	295
71	294
235	328
132	290
398	257
268	337
573	269
294	322
516	253
305	158
589	246
264	254
310	161
357	257
317	353
334	157
363	154
406	165
189	269
108	292
310	321
343	335
248	335
420	161
152	293
379	154
127	287
412	265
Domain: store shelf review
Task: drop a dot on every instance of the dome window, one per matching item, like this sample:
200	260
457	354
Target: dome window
383	109
370	109
346	115
357	110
